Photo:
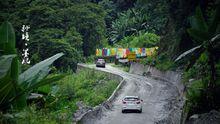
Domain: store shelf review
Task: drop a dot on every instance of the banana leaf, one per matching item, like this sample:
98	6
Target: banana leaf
7	46
34	74
215	39
46	81
7	38
198	35
216	20
188	52
6	91
198	22
5	62
36	85
7	87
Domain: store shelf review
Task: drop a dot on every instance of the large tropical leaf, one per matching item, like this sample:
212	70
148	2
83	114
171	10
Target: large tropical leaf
215	39
7	43
198	22
46	81
7	38
37	72
7	87
7	91
188	52
193	58
7	98
216	20
5	62
198	35
199	27
36	85
215	43
10	82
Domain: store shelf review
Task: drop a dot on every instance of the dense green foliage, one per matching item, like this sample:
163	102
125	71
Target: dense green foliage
145	40
197	92
160	62
125	68
88	86
57	26
129	22
15	87
203	60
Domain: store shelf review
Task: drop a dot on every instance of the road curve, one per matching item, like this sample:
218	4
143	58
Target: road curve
157	96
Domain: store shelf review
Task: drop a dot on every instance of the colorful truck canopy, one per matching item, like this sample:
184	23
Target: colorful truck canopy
123	52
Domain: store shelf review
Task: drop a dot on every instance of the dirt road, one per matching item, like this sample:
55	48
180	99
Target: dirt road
158	96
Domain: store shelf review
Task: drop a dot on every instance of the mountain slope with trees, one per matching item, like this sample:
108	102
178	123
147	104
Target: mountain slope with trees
184	30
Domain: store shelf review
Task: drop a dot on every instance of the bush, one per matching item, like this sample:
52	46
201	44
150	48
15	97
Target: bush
198	95
89	86
33	116
194	92
90	59
165	65
150	60
142	40
125	68
161	62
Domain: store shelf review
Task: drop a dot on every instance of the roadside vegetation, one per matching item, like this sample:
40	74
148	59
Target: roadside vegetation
59	101
161	62
122	67
145	40
57	92
203	60
16	86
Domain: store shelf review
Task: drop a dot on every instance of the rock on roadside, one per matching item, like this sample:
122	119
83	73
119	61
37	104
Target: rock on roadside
213	117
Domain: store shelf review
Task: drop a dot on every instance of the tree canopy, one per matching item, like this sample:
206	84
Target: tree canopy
73	27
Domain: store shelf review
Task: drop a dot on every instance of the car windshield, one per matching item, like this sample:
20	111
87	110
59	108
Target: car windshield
131	99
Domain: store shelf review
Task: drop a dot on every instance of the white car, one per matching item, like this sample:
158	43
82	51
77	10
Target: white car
100	63
133	103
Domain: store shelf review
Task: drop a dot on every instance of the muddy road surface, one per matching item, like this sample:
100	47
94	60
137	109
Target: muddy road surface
158	96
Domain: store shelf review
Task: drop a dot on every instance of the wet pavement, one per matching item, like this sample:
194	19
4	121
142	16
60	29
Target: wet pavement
158	96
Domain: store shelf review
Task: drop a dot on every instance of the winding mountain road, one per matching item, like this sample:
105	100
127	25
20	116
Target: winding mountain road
158	97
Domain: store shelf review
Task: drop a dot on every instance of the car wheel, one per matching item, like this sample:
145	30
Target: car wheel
140	111
123	111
